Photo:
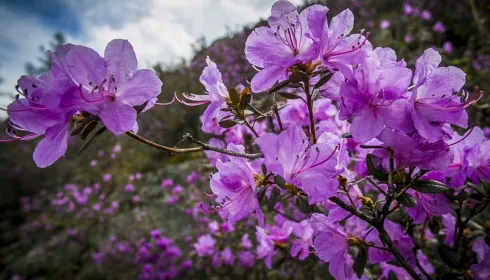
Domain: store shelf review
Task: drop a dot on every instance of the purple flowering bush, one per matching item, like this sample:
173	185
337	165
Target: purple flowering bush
329	154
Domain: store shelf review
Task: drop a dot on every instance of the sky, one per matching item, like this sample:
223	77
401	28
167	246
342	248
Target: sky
159	30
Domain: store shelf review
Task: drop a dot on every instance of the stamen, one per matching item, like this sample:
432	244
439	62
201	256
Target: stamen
187	103
462	139
166	104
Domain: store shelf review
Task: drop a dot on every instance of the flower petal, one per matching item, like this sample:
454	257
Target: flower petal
142	87
53	146
121	59
118	117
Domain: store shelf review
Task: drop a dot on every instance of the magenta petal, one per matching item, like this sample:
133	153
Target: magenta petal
263	48
86	66
282	14
53	146
366	126
143	86
118	117
265	79
425	65
32	119
121	59
317	19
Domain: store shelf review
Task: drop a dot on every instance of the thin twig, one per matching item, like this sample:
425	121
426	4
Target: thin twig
203	146
206	146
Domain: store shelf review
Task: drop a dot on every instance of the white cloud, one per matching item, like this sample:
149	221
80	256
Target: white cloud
20	40
159	30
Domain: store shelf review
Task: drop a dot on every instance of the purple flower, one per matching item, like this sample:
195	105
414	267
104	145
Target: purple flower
447	47
300	247
217	96
407	9
331	245
370	97
227	256
39	114
385	24
426	15
428	205
439	27
205	245
129	188
287	41
166	183
246	259
111	86
107	177
245	242
449	222
311	167
434	101
479	162
156	234
235	188
412	151
267	240
481	270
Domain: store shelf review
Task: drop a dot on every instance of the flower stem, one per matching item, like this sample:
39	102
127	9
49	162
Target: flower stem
203	146
309	103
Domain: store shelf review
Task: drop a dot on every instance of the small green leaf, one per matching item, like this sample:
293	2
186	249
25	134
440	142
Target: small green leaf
323	80
428	186
261	193
227	123
77	129
89	140
347	135
280	182
373	171
360	261
264	169
234	96
298	76
87	129
407	200
288	95
279	86
273	198
303	204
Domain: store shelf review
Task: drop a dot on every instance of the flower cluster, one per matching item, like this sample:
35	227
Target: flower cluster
338	153
80	89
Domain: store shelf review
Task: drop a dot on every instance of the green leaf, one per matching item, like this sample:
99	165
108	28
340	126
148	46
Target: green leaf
280	182
288	95
298	76
273	198
227	123
360	261
429	186
77	129
264	169
347	135
407	200
373	171
449	256
87	129
89	140
234	96
303	204
323	80
261	193
279	86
